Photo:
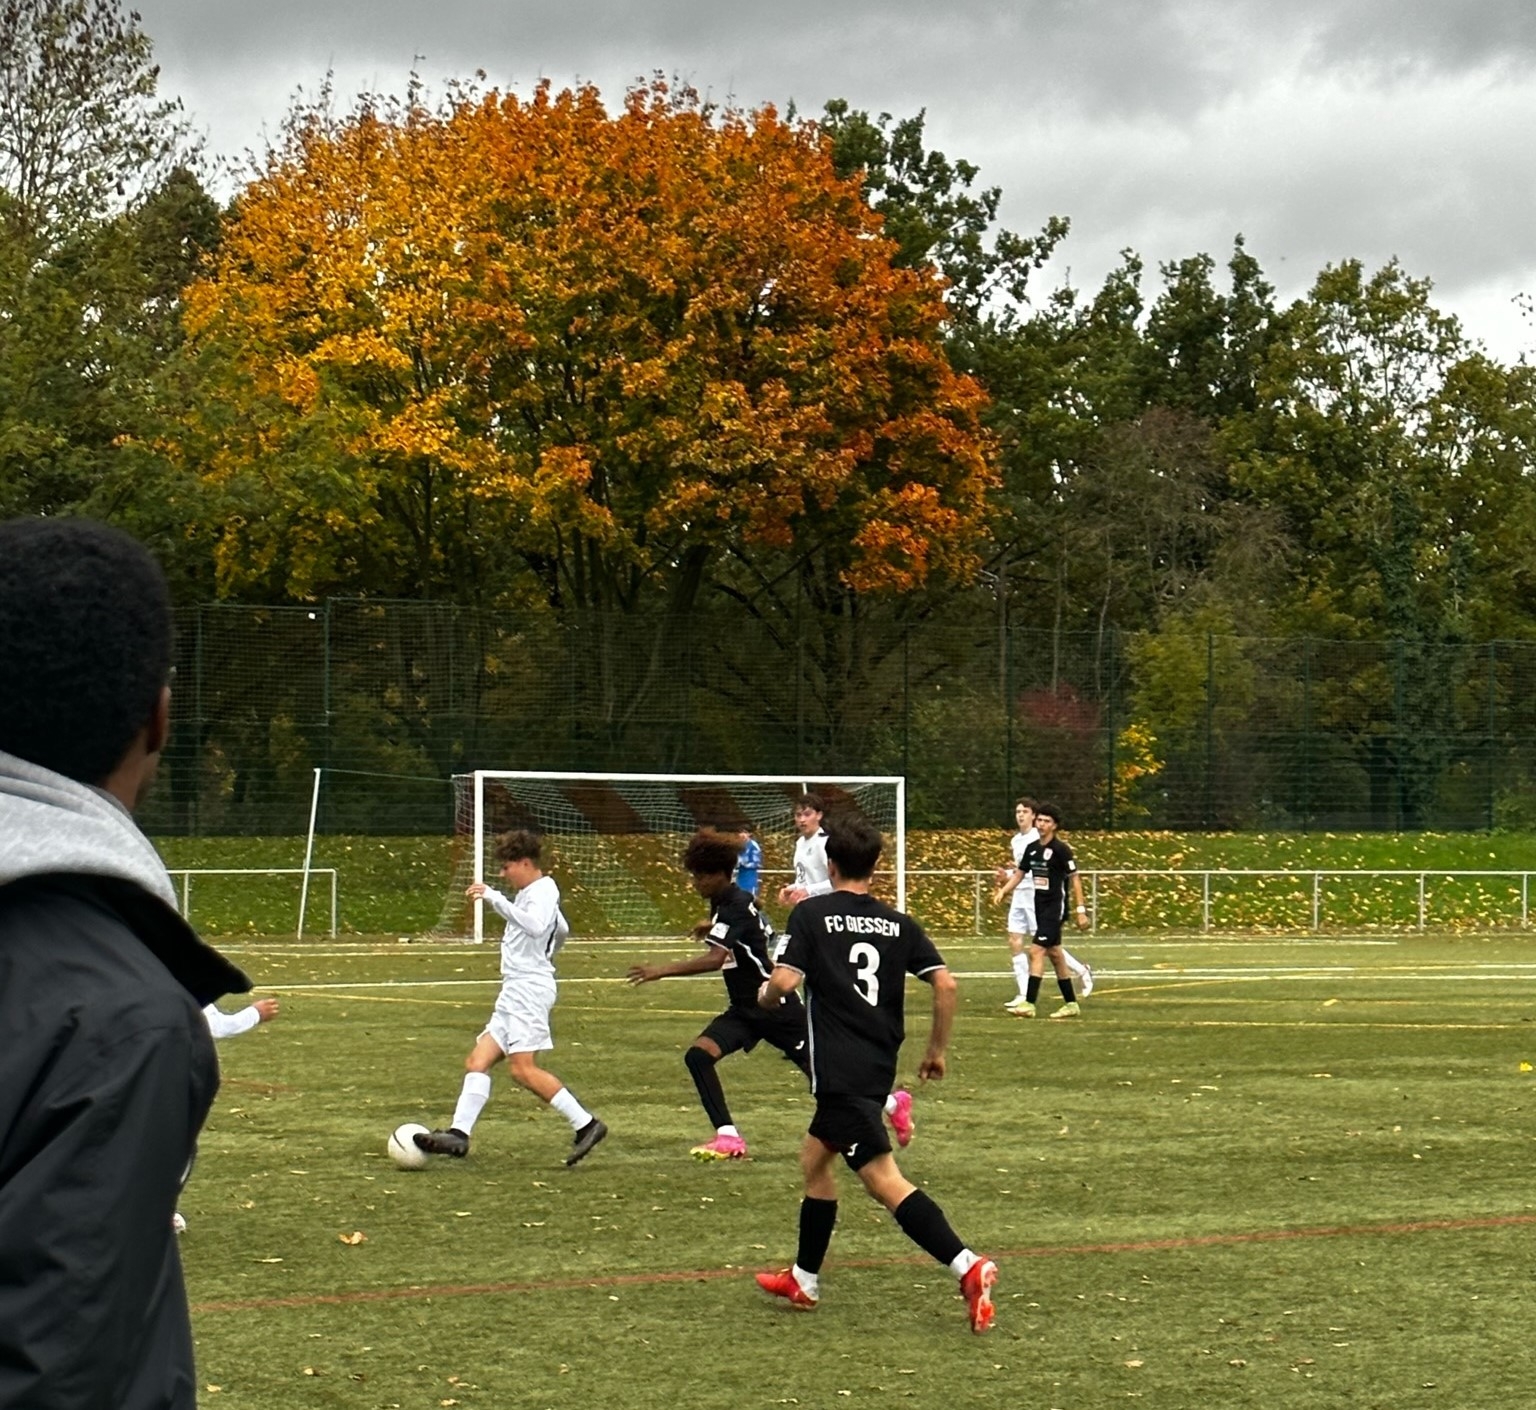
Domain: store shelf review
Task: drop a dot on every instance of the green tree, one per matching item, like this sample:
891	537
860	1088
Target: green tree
99	226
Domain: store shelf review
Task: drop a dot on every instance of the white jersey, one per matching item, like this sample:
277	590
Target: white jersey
811	865
229	1025
1021	901
536	928
1021	840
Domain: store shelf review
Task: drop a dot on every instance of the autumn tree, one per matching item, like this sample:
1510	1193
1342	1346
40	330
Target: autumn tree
623	355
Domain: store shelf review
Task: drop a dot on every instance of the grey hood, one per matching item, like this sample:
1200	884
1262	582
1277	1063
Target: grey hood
51	824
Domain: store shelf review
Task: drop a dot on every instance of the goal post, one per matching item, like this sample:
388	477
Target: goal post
614	841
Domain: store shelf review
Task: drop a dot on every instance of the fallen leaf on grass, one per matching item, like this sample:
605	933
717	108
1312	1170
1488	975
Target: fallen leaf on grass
354	1238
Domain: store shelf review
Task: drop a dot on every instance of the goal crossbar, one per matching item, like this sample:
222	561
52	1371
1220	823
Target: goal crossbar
480	778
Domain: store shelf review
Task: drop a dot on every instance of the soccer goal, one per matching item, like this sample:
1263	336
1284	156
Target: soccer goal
614	842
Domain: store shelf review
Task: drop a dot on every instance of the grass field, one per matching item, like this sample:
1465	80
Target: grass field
1256	1172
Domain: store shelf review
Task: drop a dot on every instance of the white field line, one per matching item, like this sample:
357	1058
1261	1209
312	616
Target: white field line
1170	973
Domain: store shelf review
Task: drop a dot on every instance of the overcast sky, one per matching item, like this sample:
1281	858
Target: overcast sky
1320	129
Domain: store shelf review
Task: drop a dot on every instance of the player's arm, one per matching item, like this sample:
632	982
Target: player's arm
1008	879
706	963
492	897
230	1025
942	1023
1077	898
778	986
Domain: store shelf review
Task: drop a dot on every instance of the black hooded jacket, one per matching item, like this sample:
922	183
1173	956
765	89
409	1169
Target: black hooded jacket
107	1071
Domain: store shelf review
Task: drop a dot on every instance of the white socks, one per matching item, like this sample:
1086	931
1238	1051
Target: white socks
1021	973
963	1262
571	1109
727	1131
810	1283
890	1104
1073	963
475	1094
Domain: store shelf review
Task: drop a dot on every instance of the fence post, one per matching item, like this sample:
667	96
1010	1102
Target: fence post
1109	716
1306	733
1492	727
1210	725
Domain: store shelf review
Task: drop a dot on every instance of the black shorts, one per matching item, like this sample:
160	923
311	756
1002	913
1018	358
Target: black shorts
854	1127
741	1030
1047	928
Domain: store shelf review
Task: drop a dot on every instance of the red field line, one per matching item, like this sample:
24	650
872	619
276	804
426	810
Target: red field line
709	1275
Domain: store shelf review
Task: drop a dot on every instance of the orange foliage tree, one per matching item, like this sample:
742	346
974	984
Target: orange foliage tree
513	344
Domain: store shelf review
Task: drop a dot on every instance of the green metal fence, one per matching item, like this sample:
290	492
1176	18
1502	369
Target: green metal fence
1121	730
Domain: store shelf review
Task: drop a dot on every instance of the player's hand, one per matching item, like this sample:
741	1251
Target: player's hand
792	895
701	930
267	1008
763	1001
1082	918
643	973
1000	876
997	896
476	889
932	1066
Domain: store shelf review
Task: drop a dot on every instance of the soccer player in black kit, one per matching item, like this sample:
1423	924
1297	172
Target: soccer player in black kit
1050	867
854	954
739	941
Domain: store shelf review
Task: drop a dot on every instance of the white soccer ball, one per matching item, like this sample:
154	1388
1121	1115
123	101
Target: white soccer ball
404	1151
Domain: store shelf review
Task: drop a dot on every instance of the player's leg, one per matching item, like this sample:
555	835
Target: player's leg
725	1034
1036	966
473	1095
1082	973
800	1285
922	1220
1069	1006
1018	937
586	1129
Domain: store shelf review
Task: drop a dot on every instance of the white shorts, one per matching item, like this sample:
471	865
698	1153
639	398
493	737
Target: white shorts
1021	911
520	1021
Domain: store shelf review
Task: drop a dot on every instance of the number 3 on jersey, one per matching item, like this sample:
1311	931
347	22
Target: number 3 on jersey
866	960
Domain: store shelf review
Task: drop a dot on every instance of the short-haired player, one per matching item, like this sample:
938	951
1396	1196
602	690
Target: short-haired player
519	1029
1016	886
810	852
1052	870
853	953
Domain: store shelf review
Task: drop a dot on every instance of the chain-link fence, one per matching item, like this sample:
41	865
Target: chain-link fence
1120	730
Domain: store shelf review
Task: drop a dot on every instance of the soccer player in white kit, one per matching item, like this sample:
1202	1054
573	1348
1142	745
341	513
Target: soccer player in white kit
811	877
1021	911
519	1025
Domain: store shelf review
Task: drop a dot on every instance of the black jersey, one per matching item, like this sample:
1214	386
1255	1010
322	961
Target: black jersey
1049	866
746	935
855	953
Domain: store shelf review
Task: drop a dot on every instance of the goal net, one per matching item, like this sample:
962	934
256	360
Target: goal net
614	842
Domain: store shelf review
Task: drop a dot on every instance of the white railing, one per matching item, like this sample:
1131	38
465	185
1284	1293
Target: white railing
187	873
983	882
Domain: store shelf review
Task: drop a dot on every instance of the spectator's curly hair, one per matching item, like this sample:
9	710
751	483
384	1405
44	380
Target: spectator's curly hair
85	643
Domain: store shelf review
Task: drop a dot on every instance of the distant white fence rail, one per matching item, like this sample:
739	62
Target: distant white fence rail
1312	890
187	873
